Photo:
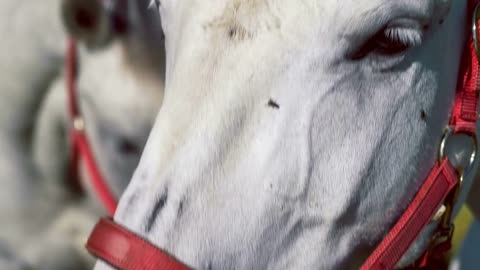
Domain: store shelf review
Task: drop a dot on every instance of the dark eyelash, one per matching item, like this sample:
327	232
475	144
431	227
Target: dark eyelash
408	37
388	42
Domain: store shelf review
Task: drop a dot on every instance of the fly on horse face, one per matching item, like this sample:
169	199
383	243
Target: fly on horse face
302	135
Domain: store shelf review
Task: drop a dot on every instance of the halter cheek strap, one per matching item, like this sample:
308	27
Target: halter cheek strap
465	111
80	148
124	250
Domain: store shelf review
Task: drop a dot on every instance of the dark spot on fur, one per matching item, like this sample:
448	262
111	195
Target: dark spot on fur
232	32
273	104
156	210
237	32
144	174
180	208
131	204
441	21
423	115
132	199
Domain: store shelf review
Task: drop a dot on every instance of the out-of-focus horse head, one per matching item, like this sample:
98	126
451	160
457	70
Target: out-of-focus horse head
120	86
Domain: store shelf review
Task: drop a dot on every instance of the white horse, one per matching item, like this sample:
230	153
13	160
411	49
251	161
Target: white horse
293	134
120	88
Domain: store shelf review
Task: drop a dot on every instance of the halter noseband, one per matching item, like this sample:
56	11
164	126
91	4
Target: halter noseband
434	201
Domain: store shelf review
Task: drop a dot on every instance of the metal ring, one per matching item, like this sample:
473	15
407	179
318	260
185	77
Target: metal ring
476	18
443	146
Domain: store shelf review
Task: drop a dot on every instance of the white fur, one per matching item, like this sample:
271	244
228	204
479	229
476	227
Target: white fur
317	182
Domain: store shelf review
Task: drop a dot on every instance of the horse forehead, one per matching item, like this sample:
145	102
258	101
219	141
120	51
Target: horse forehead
233	10
254	7
218	24
245	17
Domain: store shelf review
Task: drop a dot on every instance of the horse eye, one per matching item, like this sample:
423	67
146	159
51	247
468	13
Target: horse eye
388	42
389	46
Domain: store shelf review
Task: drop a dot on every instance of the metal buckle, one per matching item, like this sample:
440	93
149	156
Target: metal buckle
444	214
78	124
475	26
463	172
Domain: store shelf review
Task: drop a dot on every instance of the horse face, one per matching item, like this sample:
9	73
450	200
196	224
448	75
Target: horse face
293	133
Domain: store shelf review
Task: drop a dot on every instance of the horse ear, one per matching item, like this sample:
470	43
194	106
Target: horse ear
88	21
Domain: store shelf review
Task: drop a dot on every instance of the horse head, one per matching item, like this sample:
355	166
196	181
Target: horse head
293	135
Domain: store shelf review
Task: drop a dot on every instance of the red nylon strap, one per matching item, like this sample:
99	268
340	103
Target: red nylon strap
98	183
71	73
441	181
465	111
125	250
431	195
80	147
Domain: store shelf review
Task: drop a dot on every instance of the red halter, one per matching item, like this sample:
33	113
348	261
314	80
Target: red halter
80	148
124	250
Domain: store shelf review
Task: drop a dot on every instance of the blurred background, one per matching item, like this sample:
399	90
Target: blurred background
81	82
